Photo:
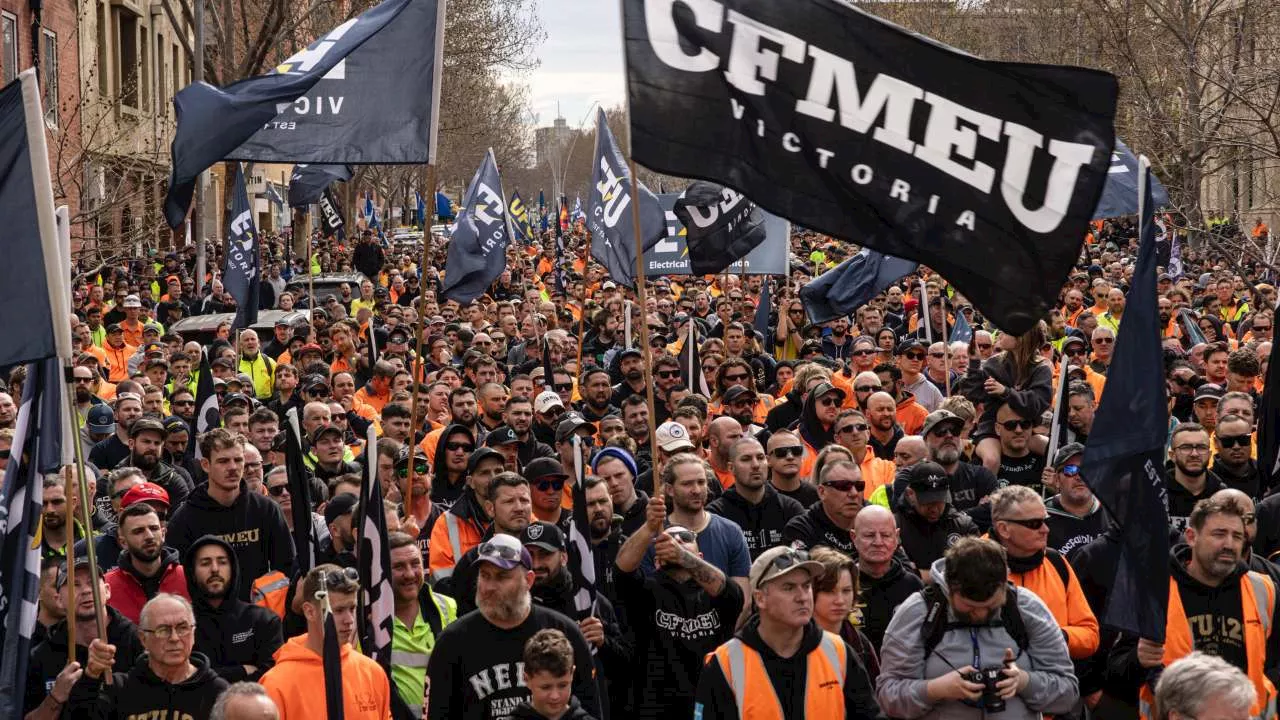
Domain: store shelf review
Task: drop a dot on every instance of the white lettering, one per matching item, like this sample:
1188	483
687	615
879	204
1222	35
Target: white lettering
1068	158
944	139
895	98
901	189
862	174
307	59
823	156
933	204
335	104
748	62
738	108
791	142
664	39
488	199
966	219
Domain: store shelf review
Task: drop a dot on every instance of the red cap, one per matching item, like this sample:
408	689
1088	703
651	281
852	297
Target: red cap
146	492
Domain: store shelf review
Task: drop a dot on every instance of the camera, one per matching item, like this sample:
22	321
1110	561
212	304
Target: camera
988	677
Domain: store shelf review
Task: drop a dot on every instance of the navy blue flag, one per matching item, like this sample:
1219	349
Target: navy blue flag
331	215
962	331
1269	424
308	182
1120	191
242	276
273	195
444	208
722	226
36	450
761	319
851	284
609	219
478	246
1124	456
421	210
214	122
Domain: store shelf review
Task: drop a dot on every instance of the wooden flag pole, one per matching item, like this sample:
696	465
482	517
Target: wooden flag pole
69	556
420	371
641	293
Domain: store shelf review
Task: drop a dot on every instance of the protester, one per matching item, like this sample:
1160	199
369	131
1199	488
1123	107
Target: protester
239	639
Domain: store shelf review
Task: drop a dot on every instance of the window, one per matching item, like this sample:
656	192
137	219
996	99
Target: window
127	60
144	72
49	75
9	46
161	93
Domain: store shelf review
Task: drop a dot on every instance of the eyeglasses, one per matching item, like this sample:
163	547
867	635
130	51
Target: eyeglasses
165	632
546	485
856	427
1230	441
864	353
787	451
418	469
456	446
1198	449
278	490
914	355
845	485
668	374
1103	340
563	387
1030	523
1071	470
736	377
1012	425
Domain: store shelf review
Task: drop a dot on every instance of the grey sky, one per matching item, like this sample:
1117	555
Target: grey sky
581	59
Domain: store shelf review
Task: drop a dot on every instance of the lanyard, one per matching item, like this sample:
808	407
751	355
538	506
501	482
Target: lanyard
977	652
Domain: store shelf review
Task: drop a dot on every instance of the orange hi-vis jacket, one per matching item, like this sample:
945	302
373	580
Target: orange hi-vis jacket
876	472
755	695
1066	601
1258	602
454	533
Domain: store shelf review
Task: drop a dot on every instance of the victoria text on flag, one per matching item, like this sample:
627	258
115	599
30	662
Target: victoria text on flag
214	122
308	182
721	225
816	110
851	284
242	276
1120	192
1124	456
34	274
373	561
478	246
613	241
359	112
36	450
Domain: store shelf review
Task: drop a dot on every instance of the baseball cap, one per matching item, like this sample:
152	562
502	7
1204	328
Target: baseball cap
504	551
398	335
1209	391
101	420
608	285
940	416
131	301
930	482
1073	340
342	504
234	397
824	388
151	327
778	561
546	400
630	352
146	424
314	381
325	430
906	345
114	328
543	535
544	467
735	393
173	424
80	560
480	454
673	437
569	424
501	435
310	348
1065	453
145	492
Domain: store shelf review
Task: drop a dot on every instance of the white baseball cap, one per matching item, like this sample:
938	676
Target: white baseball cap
546	400
673	437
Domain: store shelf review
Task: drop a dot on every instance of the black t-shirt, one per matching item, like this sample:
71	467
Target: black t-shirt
969	484
475	667
806	494
1024	471
1068	533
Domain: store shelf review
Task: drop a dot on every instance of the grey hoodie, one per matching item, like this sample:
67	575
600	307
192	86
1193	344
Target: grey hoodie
905	672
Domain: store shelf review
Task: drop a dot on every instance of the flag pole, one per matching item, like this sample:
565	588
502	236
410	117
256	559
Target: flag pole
420	364
311	278
69	554
582	309
1058	401
644	324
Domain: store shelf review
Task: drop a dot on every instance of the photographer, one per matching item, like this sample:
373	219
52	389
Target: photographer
980	622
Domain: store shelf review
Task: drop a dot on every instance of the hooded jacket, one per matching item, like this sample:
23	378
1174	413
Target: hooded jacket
130	590
441	491
1181	501
253	525
715	698
925	542
471	523
525	711
49	657
785	412
141	694
811	430
296	683
880	596
762	524
234	633
905	670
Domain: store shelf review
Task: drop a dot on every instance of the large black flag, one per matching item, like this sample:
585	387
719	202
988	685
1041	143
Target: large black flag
208	407
242	276
300	491
331	214
373	561
478	246
851	284
1124	457
613	238
722	226
214	122
841	122
309	182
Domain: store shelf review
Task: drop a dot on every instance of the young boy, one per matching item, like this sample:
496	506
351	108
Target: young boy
548	673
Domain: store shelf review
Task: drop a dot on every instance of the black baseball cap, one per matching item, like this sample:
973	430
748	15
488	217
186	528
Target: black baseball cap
340	505
325	430
481	453
501	435
569	424
930	483
543	535
544	467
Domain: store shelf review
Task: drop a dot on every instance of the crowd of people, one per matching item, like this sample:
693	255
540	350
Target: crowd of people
861	518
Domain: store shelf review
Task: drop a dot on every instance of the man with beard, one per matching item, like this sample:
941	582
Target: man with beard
927	521
618	470
339	516
507	501
817	421
739	403
884	432
53	518
1189	478
518	415
110	452
678	613
474	671
752	504
839	344
1018	464
463	411
909	414
419	508
146	444
1216	605
146	566
605	536
240	639
631	364
554	589
50	677
420	616
1233	440
491	398
883	580
685	481
969	484
830	521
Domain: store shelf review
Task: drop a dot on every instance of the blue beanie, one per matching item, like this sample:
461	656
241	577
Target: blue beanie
616	453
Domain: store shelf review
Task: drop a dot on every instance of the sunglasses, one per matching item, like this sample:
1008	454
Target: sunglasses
1030	524
787	451
984	346
278	490
856	427
709	369
1077	352
827	402
864	353
914	355
1262	328
1230	441
867	388
563	387
337	579
1071	470
1103	341
456	446
945	432
84	381
846	485
418	469
937	355
505	552
1016	425
736	377
668	374
549	485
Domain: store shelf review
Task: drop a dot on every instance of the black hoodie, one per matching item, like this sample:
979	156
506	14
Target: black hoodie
787	675
525	711
235	633
49	657
1181	501
814	528
880	596
785	412
441	491
810	427
141	694
253	525
924	541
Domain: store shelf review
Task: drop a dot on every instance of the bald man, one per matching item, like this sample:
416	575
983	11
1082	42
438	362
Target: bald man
883	578
882	416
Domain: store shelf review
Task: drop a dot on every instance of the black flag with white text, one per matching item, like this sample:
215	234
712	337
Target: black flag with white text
722	226
478	245
609	218
242	275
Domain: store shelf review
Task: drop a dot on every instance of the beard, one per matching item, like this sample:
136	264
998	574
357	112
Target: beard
600	526
947	455
219	593
635	375
145	555
54	521
146	461
83	395
504	609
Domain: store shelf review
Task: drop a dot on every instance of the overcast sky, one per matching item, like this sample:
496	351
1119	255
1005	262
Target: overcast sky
581	59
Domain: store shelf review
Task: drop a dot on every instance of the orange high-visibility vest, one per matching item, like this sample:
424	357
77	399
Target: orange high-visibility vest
755	695
271	591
